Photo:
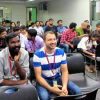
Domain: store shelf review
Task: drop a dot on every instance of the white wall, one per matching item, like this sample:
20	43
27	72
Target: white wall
68	10
17	11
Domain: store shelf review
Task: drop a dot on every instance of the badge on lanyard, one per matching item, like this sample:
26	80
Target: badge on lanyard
55	83
52	66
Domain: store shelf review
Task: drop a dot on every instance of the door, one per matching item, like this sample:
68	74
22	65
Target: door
31	14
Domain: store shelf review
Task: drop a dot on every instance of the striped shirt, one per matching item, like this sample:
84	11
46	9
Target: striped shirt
40	60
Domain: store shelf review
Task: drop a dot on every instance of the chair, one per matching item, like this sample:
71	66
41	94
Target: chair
98	56
75	63
23	92
32	74
98	50
91	95
76	68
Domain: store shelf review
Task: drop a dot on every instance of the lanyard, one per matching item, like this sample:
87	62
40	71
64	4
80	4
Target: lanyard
12	70
10	64
32	46
51	66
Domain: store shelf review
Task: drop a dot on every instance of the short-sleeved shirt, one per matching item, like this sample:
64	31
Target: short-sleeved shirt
80	31
33	46
53	28
7	65
85	44
68	35
40	60
39	30
22	40
61	29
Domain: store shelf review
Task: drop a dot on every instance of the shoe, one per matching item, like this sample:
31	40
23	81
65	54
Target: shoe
89	69
92	68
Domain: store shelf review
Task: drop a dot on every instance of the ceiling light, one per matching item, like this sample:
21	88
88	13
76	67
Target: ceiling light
31	0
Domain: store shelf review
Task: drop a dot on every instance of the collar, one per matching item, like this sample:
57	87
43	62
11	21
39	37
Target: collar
9	55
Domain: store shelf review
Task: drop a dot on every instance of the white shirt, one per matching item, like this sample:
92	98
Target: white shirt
7	65
85	44
39	30
22	40
31	27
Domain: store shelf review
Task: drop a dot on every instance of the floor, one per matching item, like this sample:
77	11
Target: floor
95	76
98	95
90	80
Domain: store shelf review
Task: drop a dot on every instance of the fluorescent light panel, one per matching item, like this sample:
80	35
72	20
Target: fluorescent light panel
31	0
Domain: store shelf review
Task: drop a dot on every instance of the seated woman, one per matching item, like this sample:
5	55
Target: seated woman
88	45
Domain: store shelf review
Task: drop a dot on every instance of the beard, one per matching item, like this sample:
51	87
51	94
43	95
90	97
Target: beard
14	51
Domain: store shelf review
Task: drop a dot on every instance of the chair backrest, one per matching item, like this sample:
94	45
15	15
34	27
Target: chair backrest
75	63
98	50
86	96
24	92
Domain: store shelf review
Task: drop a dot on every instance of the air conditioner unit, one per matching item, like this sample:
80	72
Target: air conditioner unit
43	6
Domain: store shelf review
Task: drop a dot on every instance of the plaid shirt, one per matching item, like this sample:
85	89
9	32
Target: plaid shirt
68	36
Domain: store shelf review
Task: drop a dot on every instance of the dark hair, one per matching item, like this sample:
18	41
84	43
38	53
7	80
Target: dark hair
16	28
98	24
18	21
10	36
12	22
32	32
46	22
48	32
37	21
41	21
94	34
32	23
2	29
50	19
59	21
4	21
72	25
23	27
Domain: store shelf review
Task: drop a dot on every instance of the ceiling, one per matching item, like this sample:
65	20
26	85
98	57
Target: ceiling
22	1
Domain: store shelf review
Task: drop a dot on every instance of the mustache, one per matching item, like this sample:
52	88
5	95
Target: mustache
17	47
14	49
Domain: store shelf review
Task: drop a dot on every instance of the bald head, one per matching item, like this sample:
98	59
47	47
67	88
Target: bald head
84	25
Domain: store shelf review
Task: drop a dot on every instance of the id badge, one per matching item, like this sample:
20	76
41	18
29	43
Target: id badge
55	83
